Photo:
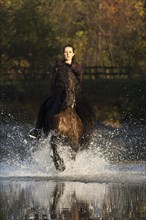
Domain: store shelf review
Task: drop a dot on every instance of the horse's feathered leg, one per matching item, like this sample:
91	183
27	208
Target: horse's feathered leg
58	161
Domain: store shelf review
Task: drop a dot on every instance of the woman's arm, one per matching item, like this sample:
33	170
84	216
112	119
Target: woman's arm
77	70
55	75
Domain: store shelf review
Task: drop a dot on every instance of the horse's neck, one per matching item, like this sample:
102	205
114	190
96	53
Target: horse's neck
67	78
68	75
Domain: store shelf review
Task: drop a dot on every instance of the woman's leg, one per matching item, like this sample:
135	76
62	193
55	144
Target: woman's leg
36	132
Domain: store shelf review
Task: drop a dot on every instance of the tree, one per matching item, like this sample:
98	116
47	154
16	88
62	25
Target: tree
104	32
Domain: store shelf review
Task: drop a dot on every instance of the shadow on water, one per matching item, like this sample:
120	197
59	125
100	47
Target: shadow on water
107	181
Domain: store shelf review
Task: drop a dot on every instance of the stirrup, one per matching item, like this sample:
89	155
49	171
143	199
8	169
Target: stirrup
35	133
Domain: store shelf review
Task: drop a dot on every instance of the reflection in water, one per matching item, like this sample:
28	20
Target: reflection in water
46	199
93	187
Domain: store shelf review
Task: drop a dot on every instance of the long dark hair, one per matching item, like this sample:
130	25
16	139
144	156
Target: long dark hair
69	45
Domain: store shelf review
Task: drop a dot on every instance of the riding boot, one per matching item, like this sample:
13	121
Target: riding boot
35	133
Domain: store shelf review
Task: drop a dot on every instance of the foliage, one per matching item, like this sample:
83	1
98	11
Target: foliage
103	33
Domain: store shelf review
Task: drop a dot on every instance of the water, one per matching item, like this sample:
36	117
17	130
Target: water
107	181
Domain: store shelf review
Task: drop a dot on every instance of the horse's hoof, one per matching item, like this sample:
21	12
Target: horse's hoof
59	164
73	155
61	168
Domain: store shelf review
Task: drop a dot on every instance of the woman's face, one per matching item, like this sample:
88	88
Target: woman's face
68	53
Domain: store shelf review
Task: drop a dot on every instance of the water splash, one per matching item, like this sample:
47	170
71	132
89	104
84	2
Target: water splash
37	161
22	157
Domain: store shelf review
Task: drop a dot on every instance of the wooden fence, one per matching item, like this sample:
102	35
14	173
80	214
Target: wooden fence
108	72
89	72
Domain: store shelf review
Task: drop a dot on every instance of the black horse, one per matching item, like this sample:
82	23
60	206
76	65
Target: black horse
68	123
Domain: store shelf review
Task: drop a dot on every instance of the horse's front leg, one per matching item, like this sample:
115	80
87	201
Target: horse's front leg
58	161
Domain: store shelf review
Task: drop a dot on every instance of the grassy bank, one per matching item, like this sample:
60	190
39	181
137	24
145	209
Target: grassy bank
114	101
118	100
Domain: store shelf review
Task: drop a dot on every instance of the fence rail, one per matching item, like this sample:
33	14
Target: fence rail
89	72
108	72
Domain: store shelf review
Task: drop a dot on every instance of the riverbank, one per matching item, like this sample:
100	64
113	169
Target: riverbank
114	101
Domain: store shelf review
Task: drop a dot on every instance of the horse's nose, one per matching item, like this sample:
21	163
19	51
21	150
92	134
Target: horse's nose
68	104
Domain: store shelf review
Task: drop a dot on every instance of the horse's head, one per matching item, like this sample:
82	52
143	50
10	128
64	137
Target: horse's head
67	86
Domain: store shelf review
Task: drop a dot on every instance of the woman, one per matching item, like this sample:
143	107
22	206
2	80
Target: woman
57	92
